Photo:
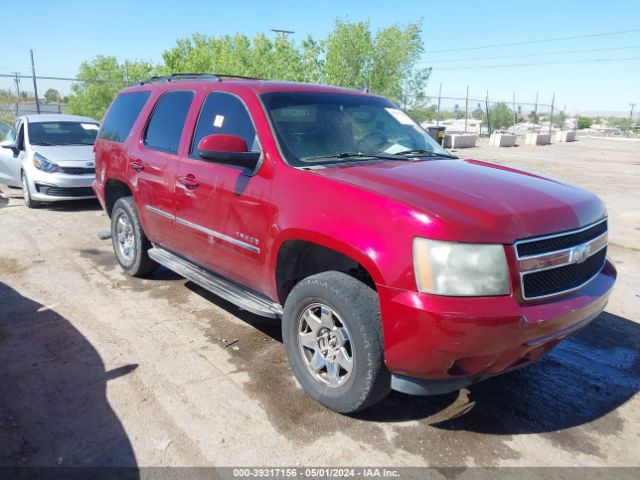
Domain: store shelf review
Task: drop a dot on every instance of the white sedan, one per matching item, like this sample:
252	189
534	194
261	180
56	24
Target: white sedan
50	157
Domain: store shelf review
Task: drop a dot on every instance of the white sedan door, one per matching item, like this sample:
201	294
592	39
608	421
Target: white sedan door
10	162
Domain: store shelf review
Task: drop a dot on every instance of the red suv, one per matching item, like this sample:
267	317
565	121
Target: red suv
392	264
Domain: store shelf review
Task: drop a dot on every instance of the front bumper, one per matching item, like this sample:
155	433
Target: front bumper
436	344
53	187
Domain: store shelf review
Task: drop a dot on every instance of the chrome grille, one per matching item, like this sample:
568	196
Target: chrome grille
76	170
560	263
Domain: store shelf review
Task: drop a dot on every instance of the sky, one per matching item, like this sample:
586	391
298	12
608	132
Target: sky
64	33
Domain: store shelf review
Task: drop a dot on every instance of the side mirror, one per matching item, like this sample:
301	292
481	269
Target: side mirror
228	149
10	145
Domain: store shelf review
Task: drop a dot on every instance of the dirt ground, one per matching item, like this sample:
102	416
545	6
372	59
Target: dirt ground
97	368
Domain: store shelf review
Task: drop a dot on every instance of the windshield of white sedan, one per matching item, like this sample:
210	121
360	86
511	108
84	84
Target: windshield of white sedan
62	133
323	128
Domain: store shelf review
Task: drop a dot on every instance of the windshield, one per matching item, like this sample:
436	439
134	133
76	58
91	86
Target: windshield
324	128
62	133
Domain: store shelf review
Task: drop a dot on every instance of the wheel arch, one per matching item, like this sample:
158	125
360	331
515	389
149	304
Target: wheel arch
113	190
305	254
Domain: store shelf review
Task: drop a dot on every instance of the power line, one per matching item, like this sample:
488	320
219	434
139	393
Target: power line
526	42
513	65
64	78
542	54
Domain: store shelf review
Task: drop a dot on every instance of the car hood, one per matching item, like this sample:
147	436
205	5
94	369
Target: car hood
63	154
479	201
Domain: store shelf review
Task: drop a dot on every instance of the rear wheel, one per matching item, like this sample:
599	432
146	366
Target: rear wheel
129	241
26	193
333	336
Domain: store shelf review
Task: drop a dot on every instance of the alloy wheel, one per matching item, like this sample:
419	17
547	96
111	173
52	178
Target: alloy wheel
325	345
125	238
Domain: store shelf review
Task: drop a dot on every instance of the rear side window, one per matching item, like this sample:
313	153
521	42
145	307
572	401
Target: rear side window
224	113
122	115
167	122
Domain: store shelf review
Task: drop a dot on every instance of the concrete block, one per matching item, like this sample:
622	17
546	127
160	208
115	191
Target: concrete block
502	140
564	136
459	141
537	139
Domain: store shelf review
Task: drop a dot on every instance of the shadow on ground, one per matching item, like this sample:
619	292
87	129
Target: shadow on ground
73	206
53	405
586	378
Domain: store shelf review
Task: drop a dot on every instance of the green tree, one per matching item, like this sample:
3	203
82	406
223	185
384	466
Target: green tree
238	55
351	56
52	96
584	122
422	113
384	62
100	80
619	122
559	117
501	116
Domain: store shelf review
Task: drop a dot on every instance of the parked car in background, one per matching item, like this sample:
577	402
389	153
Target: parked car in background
392	264
50	157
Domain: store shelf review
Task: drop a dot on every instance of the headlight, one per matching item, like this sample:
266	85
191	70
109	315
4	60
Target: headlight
43	164
460	269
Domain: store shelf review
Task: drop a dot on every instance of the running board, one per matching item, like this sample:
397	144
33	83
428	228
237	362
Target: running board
243	298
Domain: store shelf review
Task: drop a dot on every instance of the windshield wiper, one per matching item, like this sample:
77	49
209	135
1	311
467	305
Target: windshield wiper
425	153
43	144
355	155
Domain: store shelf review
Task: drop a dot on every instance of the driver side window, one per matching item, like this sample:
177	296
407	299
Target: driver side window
224	113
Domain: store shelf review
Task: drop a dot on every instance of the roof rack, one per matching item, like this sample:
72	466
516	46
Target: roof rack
216	77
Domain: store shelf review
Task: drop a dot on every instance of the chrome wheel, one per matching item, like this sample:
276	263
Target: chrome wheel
125	238
325	345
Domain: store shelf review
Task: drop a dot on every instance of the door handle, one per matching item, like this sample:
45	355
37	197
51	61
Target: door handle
136	165
189	181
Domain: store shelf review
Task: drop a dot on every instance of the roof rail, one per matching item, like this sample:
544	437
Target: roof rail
216	77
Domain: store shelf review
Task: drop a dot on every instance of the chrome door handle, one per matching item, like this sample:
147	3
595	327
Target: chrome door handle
137	166
189	181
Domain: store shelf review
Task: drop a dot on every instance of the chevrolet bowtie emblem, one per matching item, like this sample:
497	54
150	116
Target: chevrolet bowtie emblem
580	253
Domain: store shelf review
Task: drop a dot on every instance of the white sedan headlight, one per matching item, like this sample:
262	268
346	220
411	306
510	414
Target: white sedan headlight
41	163
460	269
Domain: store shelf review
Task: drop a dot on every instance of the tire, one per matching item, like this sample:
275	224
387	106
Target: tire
26	194
333	301
130	244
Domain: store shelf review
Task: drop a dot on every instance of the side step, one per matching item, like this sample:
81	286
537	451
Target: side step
245	299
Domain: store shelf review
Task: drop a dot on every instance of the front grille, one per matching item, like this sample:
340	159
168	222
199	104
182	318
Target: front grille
560	279
560	242
76	170
65	192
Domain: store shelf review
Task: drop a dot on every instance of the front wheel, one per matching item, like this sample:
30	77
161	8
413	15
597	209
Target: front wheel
333	336
129	241
26	193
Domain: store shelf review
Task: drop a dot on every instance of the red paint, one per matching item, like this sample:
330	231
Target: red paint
221	142
370	213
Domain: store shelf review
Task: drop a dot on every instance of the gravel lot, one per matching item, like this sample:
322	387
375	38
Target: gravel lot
97	368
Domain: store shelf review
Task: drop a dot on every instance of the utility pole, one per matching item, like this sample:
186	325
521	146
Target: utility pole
535	111
515	113
35	83
438	110
553	99
282	33
17	80
486	105
630	118
466	110
126	71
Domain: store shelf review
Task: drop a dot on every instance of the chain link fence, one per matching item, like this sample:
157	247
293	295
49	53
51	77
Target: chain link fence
457	113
